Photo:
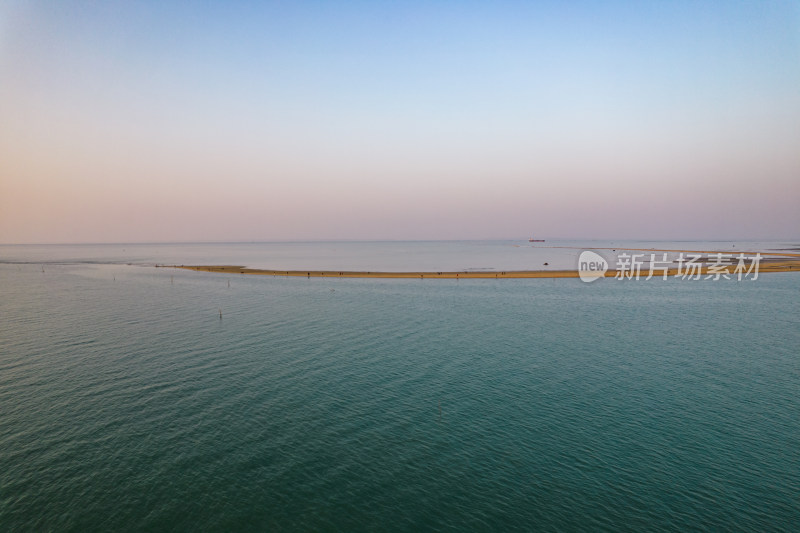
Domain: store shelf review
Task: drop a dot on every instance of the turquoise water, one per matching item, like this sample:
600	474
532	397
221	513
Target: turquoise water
363	404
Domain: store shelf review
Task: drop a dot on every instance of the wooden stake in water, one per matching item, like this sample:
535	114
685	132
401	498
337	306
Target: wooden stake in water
220	314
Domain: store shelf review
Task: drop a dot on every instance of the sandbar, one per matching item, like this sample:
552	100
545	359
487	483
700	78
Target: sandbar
766	265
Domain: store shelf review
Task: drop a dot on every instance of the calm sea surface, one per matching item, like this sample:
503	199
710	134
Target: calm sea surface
127	404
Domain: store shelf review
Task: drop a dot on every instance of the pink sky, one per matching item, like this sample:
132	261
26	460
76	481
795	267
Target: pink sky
133	124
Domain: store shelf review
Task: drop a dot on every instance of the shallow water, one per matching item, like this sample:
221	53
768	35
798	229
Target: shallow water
362	404
393	256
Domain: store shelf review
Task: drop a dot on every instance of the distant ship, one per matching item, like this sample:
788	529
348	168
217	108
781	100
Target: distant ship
535	240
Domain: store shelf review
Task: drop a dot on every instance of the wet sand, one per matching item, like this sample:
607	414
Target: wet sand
766	265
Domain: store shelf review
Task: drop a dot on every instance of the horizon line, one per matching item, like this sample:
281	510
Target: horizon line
288	241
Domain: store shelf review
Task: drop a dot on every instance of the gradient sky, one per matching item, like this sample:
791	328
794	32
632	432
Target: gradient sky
216	121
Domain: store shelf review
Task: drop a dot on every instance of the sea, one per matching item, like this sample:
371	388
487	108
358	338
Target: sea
135	398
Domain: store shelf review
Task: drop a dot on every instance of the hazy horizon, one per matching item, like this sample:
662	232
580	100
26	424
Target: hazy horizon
159	123
548	243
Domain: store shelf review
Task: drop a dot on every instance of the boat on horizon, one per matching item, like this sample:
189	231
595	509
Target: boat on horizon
535	240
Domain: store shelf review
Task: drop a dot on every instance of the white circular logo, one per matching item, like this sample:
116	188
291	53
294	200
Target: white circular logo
591	266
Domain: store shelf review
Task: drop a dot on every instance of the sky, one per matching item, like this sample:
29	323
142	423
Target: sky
260	121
